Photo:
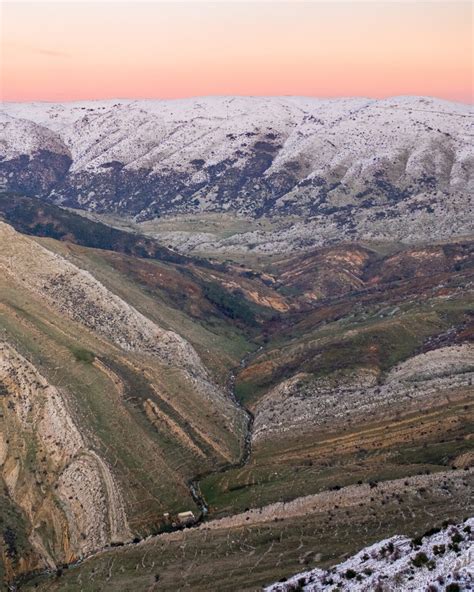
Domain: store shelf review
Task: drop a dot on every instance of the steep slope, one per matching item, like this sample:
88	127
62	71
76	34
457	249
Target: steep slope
370	383
357	167
86	510
30	215
119	378
78	295
105	416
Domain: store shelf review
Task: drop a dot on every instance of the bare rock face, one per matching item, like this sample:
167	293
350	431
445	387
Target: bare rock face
71	500
350	168
305	402
439	561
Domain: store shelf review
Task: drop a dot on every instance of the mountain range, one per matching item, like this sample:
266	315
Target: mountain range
329	170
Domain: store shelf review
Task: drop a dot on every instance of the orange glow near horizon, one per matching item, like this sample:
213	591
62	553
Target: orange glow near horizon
62	51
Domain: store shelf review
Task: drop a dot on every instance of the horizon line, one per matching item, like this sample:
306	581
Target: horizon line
245	96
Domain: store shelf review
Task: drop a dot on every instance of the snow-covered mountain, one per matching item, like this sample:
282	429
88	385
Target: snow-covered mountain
351	162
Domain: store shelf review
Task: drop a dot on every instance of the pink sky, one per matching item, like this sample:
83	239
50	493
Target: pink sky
85	50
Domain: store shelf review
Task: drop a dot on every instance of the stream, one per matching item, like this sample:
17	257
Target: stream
193	483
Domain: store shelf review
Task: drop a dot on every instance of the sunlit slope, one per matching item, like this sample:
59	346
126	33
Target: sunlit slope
105	414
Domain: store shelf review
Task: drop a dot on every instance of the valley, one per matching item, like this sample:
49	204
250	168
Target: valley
235	337
208	386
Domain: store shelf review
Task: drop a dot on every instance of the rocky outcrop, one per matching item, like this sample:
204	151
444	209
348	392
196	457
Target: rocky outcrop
66	491
77	294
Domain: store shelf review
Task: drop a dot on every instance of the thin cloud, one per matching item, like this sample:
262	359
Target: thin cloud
50	52
36	50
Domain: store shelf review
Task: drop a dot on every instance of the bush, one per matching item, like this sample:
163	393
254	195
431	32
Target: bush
230	305
457	538
350	574
439	549
83	355
420	559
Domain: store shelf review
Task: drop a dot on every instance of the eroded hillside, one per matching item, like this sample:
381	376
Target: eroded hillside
106	416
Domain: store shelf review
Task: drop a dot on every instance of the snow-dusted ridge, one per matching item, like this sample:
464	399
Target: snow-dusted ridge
440	561
354	167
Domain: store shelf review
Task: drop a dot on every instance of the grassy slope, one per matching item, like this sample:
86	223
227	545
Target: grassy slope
151	462
117	429
220	343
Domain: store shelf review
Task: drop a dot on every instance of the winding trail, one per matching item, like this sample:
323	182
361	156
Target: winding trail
119	529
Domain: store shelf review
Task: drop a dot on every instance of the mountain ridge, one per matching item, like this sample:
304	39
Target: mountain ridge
346	167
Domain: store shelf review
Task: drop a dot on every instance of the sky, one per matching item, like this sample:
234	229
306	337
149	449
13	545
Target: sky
68	50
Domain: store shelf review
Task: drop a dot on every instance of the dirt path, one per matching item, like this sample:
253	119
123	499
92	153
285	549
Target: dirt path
119	530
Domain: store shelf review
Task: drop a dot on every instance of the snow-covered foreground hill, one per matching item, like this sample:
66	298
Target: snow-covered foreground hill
440	561
396	168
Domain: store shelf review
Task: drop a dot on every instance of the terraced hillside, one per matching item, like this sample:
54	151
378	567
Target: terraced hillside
287	401
249	550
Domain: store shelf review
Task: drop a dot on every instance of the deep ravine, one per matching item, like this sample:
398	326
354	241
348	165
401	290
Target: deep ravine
193	483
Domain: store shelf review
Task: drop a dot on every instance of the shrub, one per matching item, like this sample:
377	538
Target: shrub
350	574
83	355
230	305
416	542
420	559
431	532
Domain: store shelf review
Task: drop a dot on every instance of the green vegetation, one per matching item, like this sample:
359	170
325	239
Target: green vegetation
350	574
369	338
83	355
231	305
33	216
158	430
